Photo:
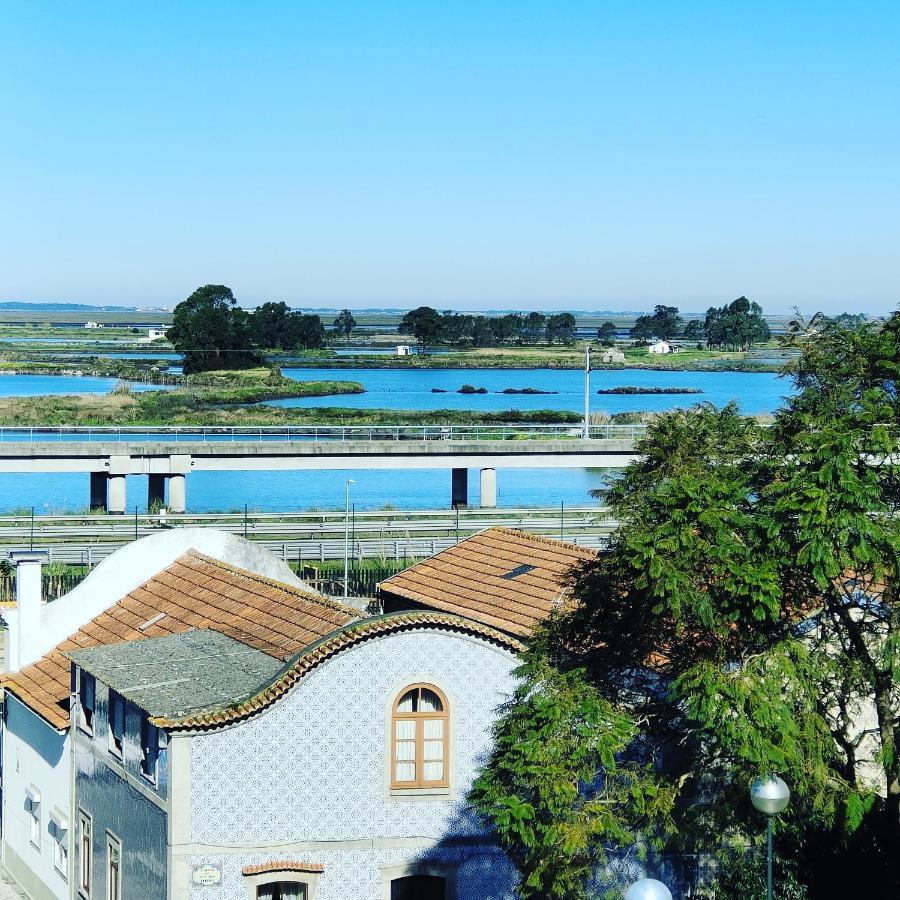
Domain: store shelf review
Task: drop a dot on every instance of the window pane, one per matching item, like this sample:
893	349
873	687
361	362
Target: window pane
405	771
434	750
430	702
434	729
405	730
433	771
408	701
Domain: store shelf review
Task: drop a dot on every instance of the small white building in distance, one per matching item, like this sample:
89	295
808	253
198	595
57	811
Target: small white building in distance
156	334
660	347
404	350
611	355
93	324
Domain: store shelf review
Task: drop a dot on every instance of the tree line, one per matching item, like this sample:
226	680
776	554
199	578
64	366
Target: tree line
734	326
430	327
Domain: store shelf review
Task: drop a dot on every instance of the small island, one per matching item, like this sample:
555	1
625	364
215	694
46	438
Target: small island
632	389
527	390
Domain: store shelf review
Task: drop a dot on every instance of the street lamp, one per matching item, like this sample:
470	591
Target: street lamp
770	796
648	889
347	537
587	392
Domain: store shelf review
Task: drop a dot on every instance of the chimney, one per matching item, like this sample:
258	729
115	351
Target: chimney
26	624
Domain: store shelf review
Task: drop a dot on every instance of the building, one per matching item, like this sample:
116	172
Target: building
93	324
156	334
660	347
612	355
231	728
403	350
507	579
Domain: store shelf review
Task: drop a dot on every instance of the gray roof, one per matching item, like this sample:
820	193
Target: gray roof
181	673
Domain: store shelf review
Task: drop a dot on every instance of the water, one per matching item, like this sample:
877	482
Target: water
54	385
399	389
755	392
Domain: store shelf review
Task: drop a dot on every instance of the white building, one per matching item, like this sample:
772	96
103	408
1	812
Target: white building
404	350
93	324
660	347
612	355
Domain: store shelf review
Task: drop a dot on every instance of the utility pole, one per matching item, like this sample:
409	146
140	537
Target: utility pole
587	392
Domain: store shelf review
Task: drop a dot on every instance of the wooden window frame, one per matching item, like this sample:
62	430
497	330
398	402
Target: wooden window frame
419	784
113	843
85	861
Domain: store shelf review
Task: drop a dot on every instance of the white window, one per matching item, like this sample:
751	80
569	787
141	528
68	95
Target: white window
116	723
113	867
59	828
149	750
86	692
33	807
85	852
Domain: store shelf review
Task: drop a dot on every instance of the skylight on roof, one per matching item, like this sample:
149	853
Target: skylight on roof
517	571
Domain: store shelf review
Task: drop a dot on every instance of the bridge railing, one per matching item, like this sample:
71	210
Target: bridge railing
208	433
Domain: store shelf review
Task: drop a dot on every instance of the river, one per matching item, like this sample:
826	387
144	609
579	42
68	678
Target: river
401	389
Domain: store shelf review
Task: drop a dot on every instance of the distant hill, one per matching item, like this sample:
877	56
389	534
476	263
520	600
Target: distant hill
62	307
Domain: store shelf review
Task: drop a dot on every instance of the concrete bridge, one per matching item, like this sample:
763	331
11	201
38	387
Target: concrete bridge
168	455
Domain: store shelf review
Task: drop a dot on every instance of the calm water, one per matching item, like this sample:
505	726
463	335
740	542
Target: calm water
755	392
400	389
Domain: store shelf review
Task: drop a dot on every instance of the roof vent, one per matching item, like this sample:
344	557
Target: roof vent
152	621
517	571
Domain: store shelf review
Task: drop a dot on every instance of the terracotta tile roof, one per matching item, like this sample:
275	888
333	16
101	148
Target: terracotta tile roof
323	650
287	865
194	592
507	579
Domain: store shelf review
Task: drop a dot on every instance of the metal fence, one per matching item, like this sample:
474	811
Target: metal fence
206	433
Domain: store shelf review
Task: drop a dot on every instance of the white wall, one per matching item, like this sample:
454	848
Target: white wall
33	754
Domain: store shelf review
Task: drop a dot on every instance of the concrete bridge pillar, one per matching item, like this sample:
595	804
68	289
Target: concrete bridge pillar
156	490
459	488
98	491
488	489
115	494
177	494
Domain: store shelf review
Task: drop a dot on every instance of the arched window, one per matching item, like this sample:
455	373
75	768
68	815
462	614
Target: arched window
419	726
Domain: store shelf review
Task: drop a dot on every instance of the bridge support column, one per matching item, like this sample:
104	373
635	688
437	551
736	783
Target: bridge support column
177	494
115	495
488	489
156	491
459	488
98	491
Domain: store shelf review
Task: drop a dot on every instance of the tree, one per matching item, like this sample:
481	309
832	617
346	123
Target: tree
534	327
560	327
643	328
737	325
745	622
424	324
607	334
694	330
344	324
212	332
666	322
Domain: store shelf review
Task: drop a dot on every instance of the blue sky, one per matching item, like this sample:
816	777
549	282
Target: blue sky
602	155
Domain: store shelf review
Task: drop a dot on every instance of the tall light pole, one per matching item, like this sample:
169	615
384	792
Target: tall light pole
347	538
587	392
770	796
648	889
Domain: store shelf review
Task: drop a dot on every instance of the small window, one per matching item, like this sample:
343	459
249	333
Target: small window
419	887
86	694
113	868
149	749
59	829
33	805
282	890
116	722
85	852
419	739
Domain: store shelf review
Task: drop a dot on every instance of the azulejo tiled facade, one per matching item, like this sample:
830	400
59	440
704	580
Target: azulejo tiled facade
308	778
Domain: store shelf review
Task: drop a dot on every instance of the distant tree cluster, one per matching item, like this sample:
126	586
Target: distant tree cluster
212	332
430	327
736	325
664	324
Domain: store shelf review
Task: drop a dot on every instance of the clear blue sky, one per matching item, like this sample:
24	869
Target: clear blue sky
526	155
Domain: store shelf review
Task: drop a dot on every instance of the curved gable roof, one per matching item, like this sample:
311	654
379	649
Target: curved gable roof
321	651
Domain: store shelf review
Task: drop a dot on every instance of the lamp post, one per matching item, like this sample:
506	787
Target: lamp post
347	538
587	392
770	796
648	889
